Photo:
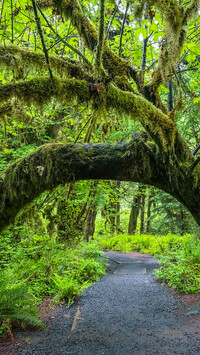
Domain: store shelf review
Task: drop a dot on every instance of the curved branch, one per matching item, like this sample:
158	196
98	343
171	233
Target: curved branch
160	126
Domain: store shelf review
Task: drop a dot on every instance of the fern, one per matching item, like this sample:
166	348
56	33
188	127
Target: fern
16	305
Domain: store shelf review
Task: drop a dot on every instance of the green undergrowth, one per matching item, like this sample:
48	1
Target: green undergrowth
39	266
179	257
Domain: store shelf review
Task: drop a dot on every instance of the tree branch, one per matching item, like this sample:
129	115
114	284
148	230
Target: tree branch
100	42
39	91
122	29
112	62
160	126
191	10
37	20
63	41
13	56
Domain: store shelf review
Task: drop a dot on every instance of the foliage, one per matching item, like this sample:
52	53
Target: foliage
17	307
179	257
42	266
181	269
102	87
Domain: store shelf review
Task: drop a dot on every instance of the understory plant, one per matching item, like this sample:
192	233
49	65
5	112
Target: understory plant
17	307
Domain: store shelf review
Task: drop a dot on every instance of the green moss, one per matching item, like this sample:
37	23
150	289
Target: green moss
40	90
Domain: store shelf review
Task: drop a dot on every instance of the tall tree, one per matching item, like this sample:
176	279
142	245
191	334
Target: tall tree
108	85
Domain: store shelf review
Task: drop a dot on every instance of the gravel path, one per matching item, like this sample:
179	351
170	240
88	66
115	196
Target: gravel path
126	312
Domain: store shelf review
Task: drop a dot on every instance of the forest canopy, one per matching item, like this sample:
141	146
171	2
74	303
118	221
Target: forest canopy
94	64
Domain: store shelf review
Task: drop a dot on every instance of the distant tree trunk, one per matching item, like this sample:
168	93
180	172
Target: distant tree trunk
170	96
142	210
117	208
149	203
90	222
135	208
111	211
91	212
132	225
118	183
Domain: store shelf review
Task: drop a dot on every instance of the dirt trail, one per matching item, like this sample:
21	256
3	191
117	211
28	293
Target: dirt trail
126	312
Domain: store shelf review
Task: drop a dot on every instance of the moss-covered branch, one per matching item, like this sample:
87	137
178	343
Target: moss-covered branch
100	42
15	58
160	126
176	17
71	9
191	10
40	90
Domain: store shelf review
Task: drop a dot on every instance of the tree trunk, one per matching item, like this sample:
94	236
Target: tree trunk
142	211
149	203
132	225
90	222
91	212
118	213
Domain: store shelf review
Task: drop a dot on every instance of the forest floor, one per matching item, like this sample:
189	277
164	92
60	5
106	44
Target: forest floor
126	312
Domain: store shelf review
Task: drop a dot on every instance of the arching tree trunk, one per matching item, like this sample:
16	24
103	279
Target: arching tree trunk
54	164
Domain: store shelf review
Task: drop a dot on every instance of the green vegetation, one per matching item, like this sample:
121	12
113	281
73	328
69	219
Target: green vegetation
179	257
99	121
38	266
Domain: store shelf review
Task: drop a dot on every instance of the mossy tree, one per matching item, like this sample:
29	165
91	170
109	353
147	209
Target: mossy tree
110	85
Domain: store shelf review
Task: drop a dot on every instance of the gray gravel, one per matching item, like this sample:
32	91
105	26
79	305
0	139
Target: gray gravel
126	312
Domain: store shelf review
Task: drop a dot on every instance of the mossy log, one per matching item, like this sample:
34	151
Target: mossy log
54	164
